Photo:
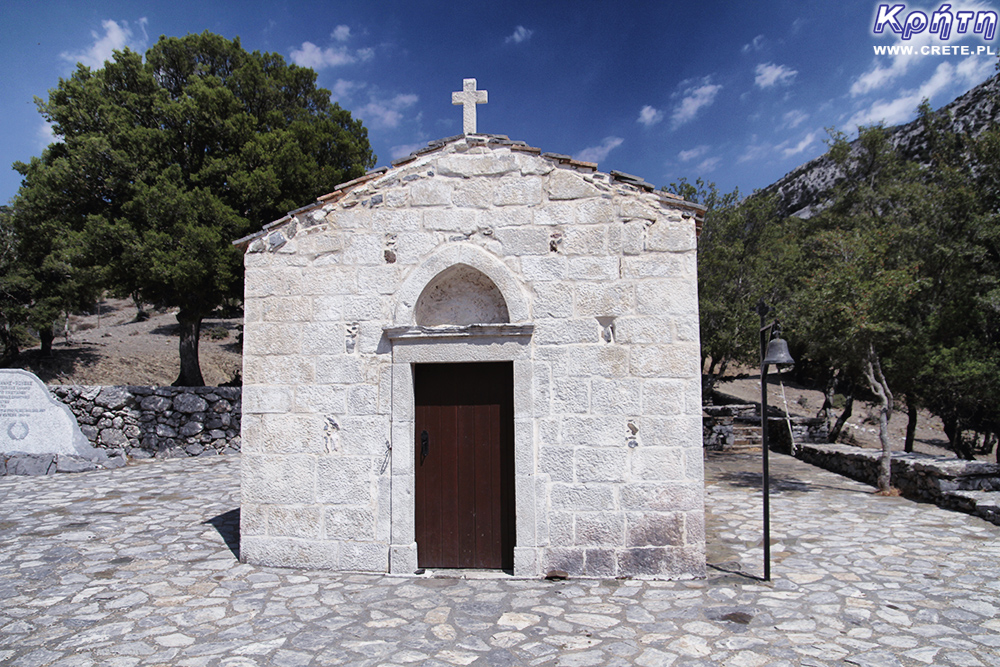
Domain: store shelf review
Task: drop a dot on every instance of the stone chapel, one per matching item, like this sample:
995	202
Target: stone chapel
485	356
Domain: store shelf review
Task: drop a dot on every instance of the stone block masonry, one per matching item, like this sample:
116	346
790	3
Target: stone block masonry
161	422
476	250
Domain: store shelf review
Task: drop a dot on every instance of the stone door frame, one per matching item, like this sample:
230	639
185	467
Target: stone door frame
413	344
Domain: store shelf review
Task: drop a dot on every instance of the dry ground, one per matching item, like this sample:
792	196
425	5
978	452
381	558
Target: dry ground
861	428
111	348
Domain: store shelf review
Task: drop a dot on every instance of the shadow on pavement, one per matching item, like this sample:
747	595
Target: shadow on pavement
778	483
228	525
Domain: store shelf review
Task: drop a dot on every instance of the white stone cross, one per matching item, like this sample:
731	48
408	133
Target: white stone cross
469	97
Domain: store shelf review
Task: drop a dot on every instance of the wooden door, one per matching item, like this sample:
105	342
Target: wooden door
464	451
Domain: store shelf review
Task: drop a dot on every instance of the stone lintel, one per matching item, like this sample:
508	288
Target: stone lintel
456	331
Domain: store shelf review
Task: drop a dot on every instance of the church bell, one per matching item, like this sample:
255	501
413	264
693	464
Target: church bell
777	353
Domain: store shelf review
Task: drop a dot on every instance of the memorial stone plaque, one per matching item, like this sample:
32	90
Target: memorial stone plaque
33	422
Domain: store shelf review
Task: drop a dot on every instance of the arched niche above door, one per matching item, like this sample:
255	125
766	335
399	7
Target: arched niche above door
461	295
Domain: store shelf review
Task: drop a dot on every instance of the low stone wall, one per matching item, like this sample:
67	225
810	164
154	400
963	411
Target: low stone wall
718	422
18	463
934	479
804	430
147	422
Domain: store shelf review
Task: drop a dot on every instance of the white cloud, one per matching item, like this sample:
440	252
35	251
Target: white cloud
975	70
403	150
794	118
386	113
694	100
317	58
755	151
310	55
115	38
879	76
756	45
694	153
806	142
903	107
45	135
708	165
599	153
341	33
521	34
769	74
649	116
343	90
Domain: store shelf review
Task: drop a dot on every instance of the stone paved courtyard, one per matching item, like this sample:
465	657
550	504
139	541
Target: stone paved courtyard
136	566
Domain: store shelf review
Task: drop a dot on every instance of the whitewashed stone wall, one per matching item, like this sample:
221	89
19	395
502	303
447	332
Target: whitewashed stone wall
595	303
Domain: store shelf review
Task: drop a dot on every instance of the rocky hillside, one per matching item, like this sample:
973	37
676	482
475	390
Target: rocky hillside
801	191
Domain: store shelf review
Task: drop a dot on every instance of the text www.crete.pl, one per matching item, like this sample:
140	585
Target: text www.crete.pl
909	50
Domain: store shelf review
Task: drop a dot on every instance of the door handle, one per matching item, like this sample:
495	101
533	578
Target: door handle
425	442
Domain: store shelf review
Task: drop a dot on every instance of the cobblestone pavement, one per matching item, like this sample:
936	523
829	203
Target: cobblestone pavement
136	566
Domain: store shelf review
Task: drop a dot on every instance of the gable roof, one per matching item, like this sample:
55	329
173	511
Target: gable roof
626	182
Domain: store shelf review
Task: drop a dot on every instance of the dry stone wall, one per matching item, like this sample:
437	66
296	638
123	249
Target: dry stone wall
920	476
718	422
162	422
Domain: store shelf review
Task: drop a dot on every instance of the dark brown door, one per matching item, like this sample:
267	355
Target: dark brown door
464	449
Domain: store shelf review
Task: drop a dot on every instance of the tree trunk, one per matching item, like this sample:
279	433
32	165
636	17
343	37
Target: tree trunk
952	431
879	387
842	419
966	448
955	431
712	379
827	407
708	383
11	350
911	424
723	366
190	326
140	311
46	337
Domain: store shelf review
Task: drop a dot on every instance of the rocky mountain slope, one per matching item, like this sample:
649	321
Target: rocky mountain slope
801	192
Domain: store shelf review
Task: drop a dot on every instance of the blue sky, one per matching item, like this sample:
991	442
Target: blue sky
736	93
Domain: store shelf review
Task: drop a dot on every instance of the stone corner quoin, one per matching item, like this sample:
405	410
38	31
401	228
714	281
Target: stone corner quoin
477	249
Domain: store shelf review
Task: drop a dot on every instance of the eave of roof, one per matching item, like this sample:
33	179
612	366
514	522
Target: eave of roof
487	140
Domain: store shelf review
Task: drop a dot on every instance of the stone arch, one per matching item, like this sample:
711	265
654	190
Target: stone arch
470	256
460	295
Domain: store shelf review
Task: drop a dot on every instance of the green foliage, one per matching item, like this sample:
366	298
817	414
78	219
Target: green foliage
858	273
218	333
895	284
162	163
13	290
